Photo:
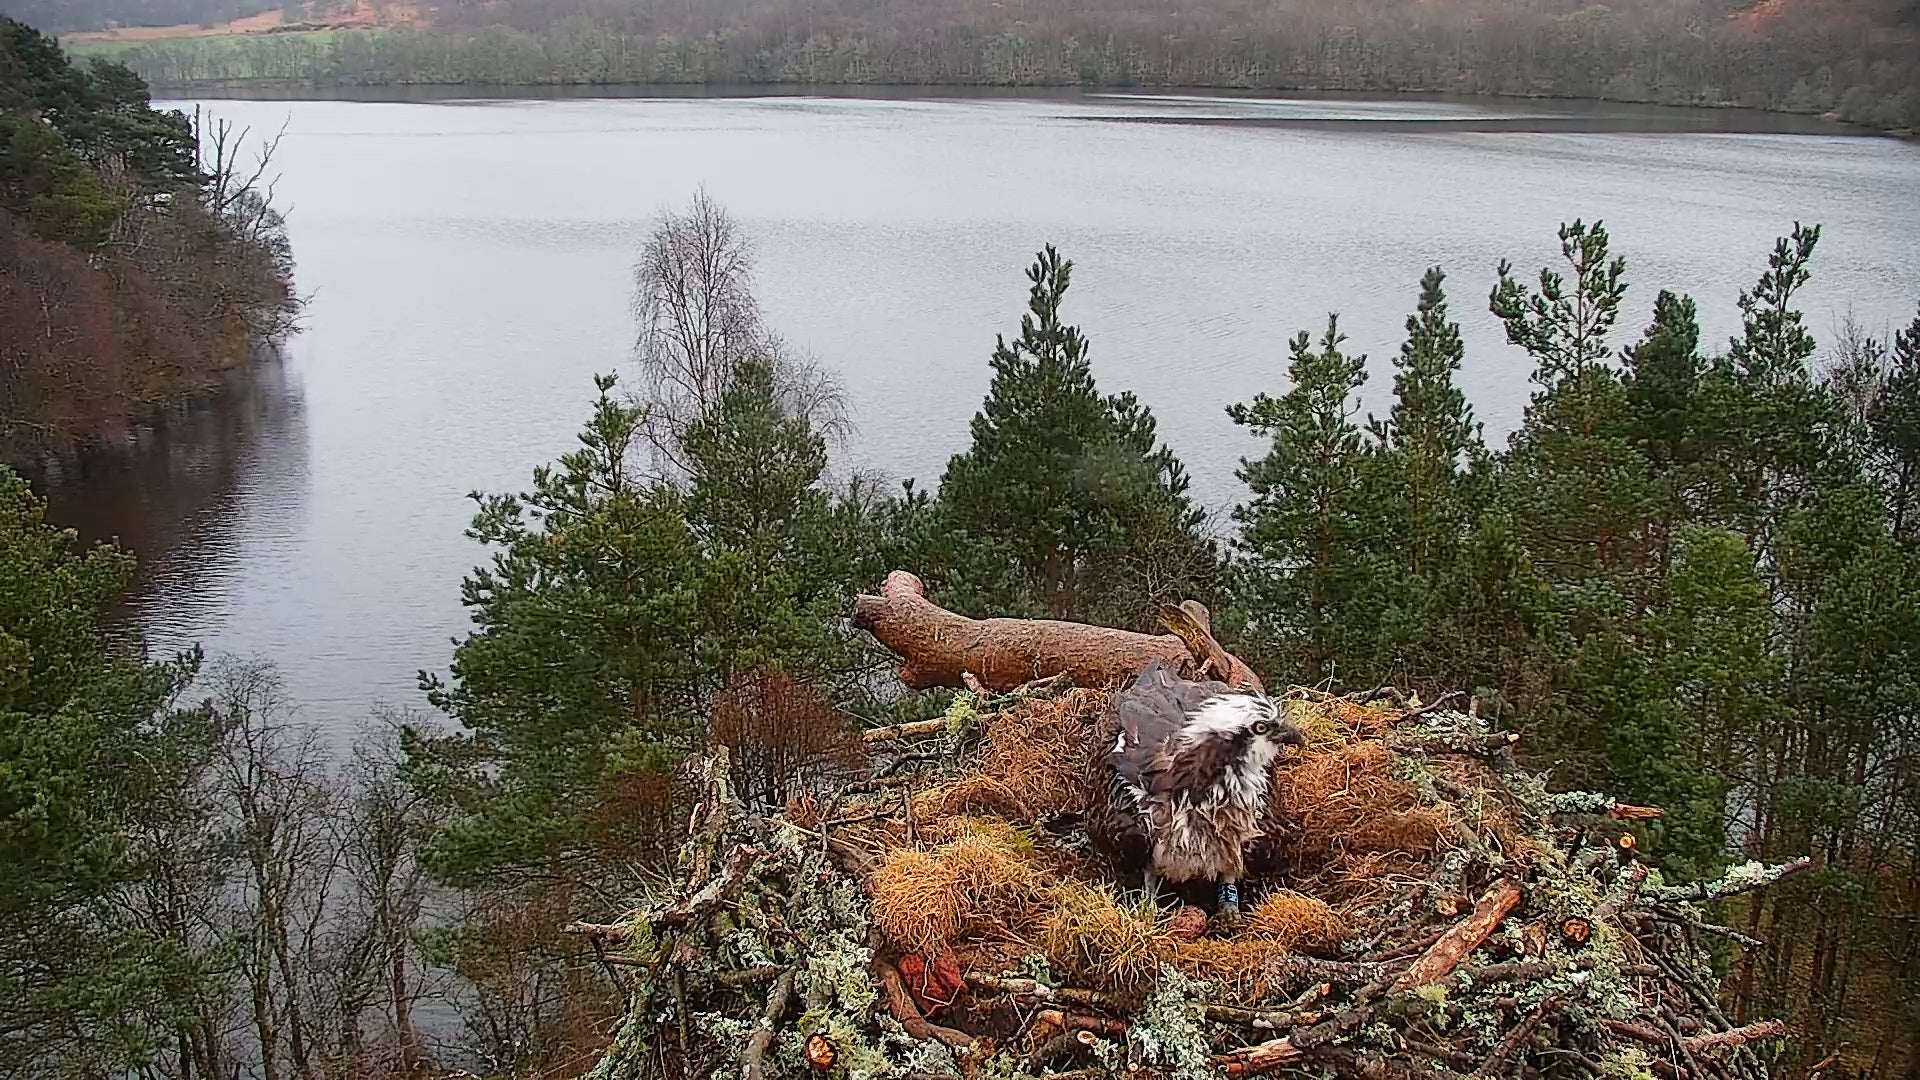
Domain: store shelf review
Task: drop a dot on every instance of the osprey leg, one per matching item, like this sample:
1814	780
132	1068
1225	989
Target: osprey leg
1227	894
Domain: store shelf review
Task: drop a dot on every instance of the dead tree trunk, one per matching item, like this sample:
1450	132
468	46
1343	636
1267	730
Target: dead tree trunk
940	646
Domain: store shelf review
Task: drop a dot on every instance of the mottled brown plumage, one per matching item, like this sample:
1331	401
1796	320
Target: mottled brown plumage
1185	772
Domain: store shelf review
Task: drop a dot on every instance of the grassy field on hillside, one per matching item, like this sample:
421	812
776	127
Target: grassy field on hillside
219	57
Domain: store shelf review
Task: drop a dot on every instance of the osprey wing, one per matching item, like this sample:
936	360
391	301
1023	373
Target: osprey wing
1141	722
1149	711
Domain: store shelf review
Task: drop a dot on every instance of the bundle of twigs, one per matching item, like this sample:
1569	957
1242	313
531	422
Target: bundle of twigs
1426	909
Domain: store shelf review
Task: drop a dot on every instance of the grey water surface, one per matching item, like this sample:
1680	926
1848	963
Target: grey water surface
469	265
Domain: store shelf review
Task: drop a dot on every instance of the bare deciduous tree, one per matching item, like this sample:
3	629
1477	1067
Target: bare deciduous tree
387	821
278	785
693	299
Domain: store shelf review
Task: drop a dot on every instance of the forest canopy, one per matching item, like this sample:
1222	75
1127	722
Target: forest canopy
1859	59
139	256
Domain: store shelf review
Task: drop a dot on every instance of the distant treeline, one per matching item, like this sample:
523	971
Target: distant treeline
1861	60
62	16
137	264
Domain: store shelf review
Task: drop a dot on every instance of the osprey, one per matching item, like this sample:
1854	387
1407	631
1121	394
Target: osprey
1184	779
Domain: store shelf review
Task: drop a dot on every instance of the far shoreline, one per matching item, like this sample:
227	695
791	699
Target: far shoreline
1571	114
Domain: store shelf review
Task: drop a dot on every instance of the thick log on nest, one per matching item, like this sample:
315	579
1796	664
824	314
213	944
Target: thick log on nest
941	648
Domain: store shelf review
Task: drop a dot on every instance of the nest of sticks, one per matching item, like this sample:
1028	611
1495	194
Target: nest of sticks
1420	907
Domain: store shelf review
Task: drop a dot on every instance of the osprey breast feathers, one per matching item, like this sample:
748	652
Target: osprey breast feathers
1188	773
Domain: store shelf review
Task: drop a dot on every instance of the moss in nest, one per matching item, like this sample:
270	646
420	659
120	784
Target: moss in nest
1293	919
1093	936
961	712
1627	1063
925	900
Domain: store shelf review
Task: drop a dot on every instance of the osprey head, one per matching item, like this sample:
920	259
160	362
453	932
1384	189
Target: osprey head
1227	746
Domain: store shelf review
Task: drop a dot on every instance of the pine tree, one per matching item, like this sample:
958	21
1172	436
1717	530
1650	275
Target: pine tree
1893	418
1713	647
1580	491
1064	480
1663	372
1582	498
1565	332
773	576
90	744
583	662
1668	420
1311	570
1430	437
1772	424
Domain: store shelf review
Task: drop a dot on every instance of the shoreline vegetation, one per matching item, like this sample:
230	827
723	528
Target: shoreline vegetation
1857	62
141	256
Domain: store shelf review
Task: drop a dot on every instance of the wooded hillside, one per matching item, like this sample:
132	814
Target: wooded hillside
1856	57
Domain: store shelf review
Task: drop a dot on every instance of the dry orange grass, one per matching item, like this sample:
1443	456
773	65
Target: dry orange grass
1041	751
971	794
1292	919
1099	940
974	886
1351	835
1345	799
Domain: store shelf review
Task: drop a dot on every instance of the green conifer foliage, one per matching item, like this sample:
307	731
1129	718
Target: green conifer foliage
1771	423
774	569
1070	485
1310	568
584	649
1893	418
1565	331
1426	455
1663	372
87	742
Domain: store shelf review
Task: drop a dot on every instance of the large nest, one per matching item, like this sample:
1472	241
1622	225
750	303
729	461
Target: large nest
1419	907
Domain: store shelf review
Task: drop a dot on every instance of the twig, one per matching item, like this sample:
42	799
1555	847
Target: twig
1267	1021
1099	1025
1287	967
607	933
1435	705
904	731
1740	879
1512	971
1034	990
1065	1044
1267	1055
1412	948
1623	894
1464	937
754	1058
704	902
749	976
1384	690
1740	1036
1686	1055
1716	929
1519	1034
